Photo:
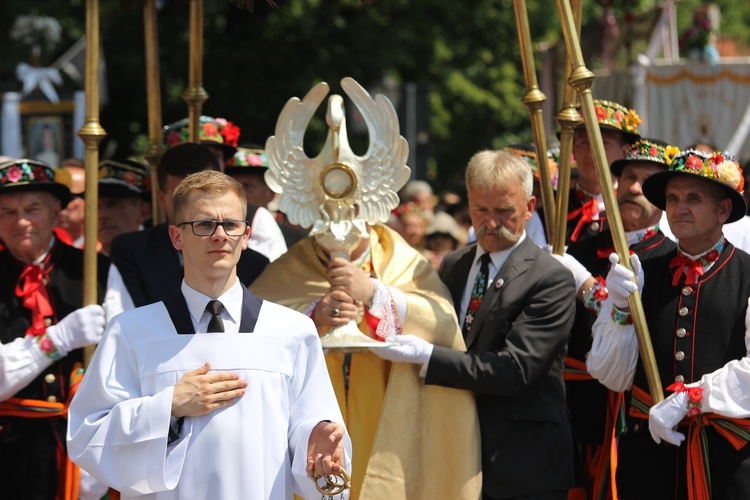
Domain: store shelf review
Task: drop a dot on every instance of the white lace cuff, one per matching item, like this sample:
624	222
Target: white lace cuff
384	308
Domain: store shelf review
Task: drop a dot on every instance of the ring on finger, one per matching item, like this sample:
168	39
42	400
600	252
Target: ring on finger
335	312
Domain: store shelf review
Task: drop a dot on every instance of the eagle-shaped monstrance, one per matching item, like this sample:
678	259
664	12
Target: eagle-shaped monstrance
337	189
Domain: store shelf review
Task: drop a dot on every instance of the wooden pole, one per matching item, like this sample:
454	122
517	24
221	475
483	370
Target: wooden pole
534	99
581	79
153	97
91	134
195	95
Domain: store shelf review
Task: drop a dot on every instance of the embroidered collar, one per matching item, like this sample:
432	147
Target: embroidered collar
695	266
634	237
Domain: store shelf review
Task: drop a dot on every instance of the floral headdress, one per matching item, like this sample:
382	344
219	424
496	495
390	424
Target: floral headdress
216	131
409	207
123	177
33	175
646	150
249	157
247	160
615	116
719	168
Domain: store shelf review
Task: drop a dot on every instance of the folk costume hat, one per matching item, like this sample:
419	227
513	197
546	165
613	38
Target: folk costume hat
247	160
527	152
648	151
217	132
25	175
119	178
718	168
613	116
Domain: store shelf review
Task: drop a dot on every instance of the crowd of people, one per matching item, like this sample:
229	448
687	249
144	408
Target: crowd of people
506	371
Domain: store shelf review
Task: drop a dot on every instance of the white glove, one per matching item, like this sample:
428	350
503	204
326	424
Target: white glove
620	280
406	349
580	273
80	328
664	417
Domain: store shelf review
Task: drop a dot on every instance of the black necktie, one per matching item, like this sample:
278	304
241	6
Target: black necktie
215	324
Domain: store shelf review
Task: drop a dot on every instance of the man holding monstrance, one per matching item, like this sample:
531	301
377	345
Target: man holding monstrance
363	284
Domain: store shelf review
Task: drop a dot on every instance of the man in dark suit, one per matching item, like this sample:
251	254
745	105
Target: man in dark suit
150	266
516	306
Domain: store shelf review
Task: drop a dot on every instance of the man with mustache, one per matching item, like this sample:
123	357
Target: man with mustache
695	302
516	307
587	399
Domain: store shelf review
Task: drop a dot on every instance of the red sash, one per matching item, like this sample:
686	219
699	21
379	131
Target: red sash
68	472
735	430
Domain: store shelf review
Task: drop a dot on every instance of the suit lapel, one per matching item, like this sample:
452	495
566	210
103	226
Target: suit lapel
516	265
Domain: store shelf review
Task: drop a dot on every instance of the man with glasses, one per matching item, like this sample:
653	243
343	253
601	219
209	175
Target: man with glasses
151	268
212	393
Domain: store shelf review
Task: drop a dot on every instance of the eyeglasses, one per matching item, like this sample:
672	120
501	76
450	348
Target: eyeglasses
208	227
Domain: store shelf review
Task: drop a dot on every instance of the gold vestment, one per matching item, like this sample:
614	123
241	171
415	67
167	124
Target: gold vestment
410	441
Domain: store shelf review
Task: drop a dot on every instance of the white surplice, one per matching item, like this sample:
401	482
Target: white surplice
257	448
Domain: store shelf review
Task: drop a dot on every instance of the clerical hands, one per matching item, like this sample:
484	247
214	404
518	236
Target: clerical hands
348	277
199	393
325	449
349	286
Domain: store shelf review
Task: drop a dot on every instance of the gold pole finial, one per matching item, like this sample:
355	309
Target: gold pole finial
533	99
92	135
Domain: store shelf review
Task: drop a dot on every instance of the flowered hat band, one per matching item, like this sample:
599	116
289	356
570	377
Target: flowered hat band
719	168
646	150
527	153
212	130
616	116
123	177
33	175
246	157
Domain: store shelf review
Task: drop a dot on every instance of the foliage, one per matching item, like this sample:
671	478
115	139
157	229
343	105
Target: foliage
465	53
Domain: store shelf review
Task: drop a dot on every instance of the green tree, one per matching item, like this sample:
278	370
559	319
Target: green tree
465	53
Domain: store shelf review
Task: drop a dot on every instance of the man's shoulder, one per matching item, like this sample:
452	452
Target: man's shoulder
544	267
139	239
281	320
251	255
68	256
131	323
452	257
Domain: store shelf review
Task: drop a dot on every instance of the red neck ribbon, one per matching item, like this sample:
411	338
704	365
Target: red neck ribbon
31	288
